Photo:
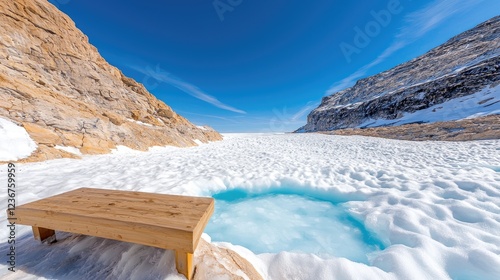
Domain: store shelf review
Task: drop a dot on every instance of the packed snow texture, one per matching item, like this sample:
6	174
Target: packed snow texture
198	142
139	122
71	150
15	143
435	206
483	103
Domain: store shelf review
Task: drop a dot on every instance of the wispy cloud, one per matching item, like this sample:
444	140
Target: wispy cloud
210	116
417	24
426	19
284	121
161	75
304	110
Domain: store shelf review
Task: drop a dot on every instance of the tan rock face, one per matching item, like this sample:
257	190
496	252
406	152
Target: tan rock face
42	135
56	84
213	262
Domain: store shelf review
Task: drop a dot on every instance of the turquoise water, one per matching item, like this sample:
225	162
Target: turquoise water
277	221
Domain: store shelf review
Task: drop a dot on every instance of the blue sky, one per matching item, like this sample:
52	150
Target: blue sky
260	66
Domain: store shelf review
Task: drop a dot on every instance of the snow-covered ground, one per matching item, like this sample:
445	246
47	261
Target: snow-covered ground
15	142
435	206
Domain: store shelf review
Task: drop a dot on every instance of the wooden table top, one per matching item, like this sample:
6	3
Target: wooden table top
160	210
160	220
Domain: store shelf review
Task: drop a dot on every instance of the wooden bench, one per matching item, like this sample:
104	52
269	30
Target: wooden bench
158	220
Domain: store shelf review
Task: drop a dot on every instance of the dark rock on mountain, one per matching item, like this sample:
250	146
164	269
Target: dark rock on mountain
465	65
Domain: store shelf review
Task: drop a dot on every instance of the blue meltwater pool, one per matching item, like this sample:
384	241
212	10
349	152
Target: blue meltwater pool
275	222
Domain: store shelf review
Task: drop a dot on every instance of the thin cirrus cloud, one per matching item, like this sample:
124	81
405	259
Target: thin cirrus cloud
210	116
304	110
417	24
161	76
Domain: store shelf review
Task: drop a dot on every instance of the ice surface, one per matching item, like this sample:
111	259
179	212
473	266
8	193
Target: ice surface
15	142
272	223
434	205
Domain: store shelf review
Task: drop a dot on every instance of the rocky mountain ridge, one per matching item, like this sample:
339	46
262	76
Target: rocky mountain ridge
465	65
56	85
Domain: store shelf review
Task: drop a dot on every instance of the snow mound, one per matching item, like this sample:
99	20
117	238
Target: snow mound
15	142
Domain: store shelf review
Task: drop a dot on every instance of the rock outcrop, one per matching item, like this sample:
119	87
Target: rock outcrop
214	262
56	85
481	128
465	65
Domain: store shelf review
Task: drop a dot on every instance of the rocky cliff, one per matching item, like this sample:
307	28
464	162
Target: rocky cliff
59	88
456	80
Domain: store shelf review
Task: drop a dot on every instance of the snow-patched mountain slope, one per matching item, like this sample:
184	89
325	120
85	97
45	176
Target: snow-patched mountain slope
483	103
465	65
435	205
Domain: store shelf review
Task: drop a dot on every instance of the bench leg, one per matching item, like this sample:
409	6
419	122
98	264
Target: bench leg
184	263
44	235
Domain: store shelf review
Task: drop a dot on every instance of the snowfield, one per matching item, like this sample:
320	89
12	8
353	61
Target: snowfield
434	205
